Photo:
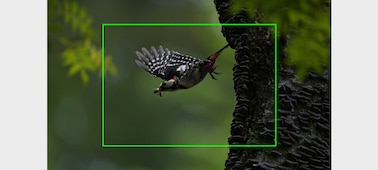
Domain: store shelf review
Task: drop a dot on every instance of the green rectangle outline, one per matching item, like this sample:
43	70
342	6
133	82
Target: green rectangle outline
182	145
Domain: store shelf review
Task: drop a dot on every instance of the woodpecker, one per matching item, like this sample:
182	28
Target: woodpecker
179	71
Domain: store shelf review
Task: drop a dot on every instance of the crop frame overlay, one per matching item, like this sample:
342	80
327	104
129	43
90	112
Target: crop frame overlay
104	145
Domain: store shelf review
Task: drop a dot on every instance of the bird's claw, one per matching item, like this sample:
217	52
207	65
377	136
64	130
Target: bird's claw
157	90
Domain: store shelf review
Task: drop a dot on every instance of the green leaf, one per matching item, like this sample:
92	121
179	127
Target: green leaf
69	59
84	77
74	69
80	55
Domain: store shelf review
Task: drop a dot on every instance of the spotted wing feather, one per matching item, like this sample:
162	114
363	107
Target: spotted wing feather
164	63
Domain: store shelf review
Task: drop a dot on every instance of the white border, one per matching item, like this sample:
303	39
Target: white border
23	106
354	84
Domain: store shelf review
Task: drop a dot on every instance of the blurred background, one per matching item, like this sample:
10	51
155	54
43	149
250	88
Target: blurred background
201	115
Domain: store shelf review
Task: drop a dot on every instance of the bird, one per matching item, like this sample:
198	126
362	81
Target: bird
178	71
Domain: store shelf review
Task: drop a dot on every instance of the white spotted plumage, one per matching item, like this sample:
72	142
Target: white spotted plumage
164	62
179	71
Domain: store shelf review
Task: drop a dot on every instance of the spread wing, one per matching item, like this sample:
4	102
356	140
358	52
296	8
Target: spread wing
164	63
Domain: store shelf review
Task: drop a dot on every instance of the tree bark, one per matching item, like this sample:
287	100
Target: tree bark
303	107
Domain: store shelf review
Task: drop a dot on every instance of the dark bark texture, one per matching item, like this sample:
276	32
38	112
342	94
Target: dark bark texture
303	107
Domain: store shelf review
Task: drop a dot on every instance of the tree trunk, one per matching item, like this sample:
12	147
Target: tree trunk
303	107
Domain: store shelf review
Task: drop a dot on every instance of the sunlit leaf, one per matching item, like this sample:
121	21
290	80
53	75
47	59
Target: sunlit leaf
81	55
74	69
68	58
84	76
109	66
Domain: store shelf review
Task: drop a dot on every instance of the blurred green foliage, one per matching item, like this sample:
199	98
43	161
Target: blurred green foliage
82	53
307	24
